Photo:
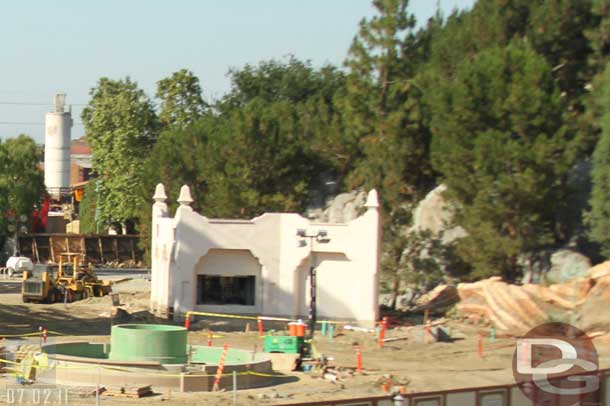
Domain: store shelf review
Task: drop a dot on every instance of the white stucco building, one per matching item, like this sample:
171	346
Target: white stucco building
261	266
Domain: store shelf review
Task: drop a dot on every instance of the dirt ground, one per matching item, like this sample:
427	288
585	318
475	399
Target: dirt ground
417	366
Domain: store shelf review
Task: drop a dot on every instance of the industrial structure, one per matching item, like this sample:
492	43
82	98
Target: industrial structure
264	265
58	133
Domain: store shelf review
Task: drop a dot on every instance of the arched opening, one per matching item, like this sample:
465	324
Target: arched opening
227	278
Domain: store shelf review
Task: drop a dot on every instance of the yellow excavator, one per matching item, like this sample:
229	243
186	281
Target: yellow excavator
67	281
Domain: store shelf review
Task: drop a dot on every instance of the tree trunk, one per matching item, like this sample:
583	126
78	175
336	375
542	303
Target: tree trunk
395	291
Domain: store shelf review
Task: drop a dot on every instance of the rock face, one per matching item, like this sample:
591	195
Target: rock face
567	265
342	208
433	214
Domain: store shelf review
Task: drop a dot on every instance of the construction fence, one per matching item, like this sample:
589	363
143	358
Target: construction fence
97	249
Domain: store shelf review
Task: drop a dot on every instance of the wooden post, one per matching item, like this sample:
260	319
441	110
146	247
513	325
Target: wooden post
35	249
133	250
99	244
116	249
52	249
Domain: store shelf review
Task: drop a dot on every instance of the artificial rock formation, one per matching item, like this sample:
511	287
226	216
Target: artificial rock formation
518	308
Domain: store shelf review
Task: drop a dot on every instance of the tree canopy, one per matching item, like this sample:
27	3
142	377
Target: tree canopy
181	102
500	103
21	183
121	127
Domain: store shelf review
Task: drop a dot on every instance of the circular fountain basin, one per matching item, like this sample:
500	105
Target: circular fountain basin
155	355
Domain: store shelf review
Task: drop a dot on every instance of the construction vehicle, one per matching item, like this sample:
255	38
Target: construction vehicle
17	264
67	281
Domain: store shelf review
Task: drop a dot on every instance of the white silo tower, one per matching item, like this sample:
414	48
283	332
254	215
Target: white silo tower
58	126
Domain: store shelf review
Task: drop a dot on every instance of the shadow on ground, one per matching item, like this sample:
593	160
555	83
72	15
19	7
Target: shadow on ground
64	319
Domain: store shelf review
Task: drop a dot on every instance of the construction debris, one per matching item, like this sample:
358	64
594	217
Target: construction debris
129	392
422	333
438	300
357	328
337	374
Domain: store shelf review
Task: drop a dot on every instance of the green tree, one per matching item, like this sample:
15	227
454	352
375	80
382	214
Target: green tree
385	116
181	101
87	209
273	136
121	127
599	217
501	147
557	29
599	35
23	179
262	148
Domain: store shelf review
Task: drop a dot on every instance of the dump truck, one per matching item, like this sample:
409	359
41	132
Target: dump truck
67	281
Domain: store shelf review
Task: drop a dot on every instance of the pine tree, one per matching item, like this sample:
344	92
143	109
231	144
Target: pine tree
181	101
599	217
385	117
500	145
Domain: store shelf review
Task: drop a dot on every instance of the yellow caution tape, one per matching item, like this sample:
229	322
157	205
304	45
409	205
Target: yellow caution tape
21	335
36	333
273	318
90	366
229	316
265	318
56	333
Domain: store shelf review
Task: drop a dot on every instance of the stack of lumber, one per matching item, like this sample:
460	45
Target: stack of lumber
129	392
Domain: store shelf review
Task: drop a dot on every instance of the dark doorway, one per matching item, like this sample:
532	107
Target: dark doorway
226	290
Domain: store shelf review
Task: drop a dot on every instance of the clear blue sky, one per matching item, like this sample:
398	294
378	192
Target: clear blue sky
55	46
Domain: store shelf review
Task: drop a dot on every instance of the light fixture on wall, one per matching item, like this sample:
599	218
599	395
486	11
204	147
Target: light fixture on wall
320	236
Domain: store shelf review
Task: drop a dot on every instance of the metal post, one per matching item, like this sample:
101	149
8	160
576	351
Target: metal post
234	388
97	386
321	236
312	303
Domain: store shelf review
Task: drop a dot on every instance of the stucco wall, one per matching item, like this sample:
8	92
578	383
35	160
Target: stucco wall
189	244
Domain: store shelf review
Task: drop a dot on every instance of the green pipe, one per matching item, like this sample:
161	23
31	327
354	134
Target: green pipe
148	342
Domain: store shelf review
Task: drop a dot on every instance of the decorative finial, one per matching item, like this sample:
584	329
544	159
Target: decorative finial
160	196
372	201
185	198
